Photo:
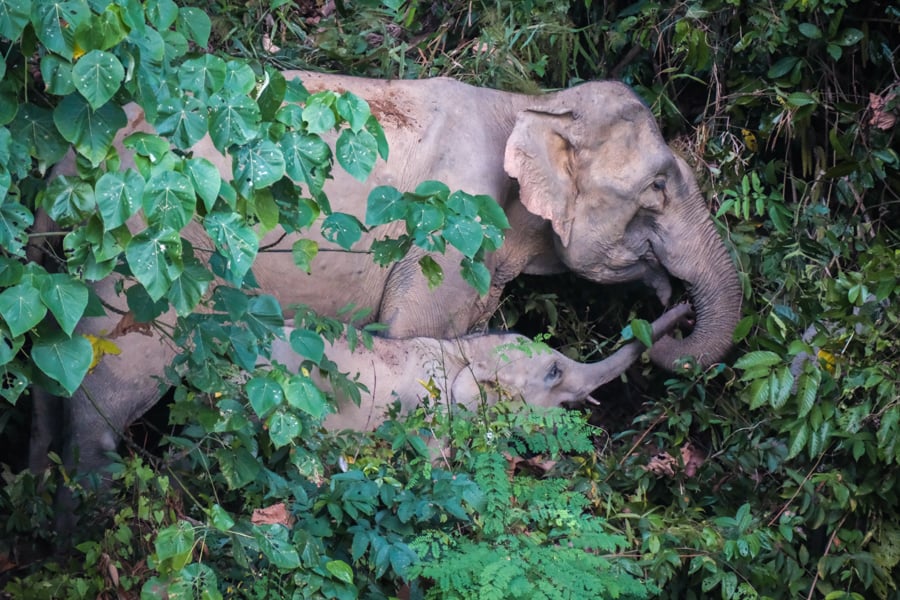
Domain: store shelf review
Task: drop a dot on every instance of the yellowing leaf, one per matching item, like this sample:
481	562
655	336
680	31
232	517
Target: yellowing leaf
749	140
101	347
431	387
78	52
827	359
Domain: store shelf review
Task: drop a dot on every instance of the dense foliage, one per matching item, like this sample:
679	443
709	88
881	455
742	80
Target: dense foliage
774	475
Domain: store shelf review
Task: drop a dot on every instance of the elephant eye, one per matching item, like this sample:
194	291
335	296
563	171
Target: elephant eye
553	373
659	185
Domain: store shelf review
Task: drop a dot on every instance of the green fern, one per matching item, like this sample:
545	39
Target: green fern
490	475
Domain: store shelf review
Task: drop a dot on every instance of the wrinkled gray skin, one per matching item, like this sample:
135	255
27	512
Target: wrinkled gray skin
584	176
497	365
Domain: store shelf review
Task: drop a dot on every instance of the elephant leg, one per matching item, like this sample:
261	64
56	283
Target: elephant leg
46	427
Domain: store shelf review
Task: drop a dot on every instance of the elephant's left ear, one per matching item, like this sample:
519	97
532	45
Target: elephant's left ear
540	155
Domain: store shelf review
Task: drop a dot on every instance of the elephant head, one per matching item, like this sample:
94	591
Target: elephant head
623	207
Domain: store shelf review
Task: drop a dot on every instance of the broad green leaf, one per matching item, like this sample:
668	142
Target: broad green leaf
354	110
476	275
147	144
374	127
68	200
284	428
356	152
238	466
57	74
318	113
13	17
257	165
849	37
205	179
265	394
307	159
183	120
187	291
464	234
169	200
807	390
308	344
388	250
264	316
385	204
266	209
818	439
56	22
780	384
15	219
219	518
9	346
233	120
194	24
463	204
234	240
756	360
142	306
154	256
175	542
433	272
643	331
63	359
162	13
15	381
302	394
66	298
342	229
118	196
340	570
275	544
34	128
91	131
239	77
491	213
799	436
303	252
798	99
103	31
97	76
11	271
204	76
782	67
21	307
433	188
271	97
810	31
423	217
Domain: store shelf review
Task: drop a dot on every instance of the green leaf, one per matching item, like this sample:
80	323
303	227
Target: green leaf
154	256
302	394
318	113
57	74
34	128
63	359
11	271
169	200
205	179
13	17
187	291
385	204
15	381
118	196
204	76
303	252
56	22
68	200
15	219
464	234
257	165
308	344
849	37
307	159
91	131
265	394
354	110
9	347
798	440
238	466
274	542
356	152
340	571
342	229
234	240
757	360
175	542
798	99
183	120
194	24
806	392
643	331
66	298
782	67
810	31
476	275
233	120
219	518
21	307
433	272
780	384
284	427
97	76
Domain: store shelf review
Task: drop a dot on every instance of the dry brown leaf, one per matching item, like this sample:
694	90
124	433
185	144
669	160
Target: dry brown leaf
277	514
880	118
127	325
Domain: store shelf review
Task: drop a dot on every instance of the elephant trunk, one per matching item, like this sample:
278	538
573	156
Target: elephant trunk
593	375
698	257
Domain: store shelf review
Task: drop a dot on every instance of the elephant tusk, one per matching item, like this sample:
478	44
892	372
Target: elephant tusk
592	401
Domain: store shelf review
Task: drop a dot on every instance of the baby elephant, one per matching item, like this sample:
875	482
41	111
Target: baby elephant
497	365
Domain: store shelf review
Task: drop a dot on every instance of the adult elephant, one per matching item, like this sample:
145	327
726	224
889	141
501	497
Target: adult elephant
584	176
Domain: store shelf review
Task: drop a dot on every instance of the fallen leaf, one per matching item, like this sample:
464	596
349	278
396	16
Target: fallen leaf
277	514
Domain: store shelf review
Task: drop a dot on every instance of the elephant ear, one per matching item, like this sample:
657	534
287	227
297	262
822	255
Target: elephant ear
540	155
